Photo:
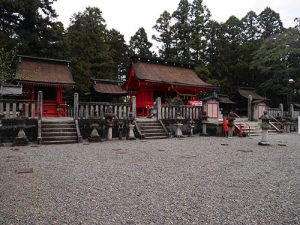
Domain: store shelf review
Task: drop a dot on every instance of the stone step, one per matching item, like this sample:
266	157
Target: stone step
69	125
51	134
154	134
156	137
159	130
58	142
58	129
59	138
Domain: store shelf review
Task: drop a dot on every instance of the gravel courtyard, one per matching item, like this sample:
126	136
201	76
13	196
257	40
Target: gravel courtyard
199	180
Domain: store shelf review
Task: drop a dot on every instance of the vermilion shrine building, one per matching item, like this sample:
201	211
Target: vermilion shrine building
152	78
51	76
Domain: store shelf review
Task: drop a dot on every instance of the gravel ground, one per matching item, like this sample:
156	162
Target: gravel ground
199	180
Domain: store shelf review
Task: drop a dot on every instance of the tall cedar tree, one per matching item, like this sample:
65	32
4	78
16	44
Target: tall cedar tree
29	25
86	38
165	36
139	44
182	30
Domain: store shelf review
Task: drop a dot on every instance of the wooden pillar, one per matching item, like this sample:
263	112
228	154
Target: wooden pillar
281	109
32	93
40	105
133	106
76	106
158	104
250	107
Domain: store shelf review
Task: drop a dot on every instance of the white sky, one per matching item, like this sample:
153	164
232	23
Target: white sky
127	16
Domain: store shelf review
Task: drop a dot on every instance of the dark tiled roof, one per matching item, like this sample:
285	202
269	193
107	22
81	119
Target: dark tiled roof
169	74
43	71
246	92
108	87
225	99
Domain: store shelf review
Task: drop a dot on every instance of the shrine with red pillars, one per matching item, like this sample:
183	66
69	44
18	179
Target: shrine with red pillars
149	79
51	76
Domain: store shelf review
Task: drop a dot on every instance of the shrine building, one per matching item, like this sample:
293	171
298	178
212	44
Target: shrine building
149	79
52	76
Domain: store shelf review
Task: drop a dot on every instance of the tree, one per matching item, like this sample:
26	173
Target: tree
139	44
200	18
297	21
250	27
269	22
6	61
29	26
277	60
119	52
165	37
86	40
182	30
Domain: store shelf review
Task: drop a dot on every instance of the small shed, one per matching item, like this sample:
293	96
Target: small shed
52	76
104	90
258	103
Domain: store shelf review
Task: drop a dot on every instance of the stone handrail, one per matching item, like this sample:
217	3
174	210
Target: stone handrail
88	110
12	108
186	111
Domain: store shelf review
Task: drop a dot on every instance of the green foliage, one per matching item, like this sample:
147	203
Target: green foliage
270	22
139	44
277	60
6	61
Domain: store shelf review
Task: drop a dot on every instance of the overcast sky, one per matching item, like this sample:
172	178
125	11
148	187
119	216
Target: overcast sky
127	16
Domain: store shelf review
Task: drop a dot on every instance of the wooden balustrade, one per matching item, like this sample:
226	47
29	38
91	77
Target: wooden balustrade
97	109
11	108
186	111
274	112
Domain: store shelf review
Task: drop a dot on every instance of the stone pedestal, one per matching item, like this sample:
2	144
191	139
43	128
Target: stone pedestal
109	131
192	130
264	135
178	131
204	128
131	133
21	139
94	136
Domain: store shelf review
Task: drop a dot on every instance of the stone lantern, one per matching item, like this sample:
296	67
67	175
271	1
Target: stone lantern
21	139
130	120
120	129
178	125
203	117
94	136
265	126
109	115
191	125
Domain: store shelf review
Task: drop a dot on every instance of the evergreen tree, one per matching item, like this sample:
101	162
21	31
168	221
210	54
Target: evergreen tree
200	18
119	52
270	23
182	30
139	44
29	26
250	27
86	39
165	37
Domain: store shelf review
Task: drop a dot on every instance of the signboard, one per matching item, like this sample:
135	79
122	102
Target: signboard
195	103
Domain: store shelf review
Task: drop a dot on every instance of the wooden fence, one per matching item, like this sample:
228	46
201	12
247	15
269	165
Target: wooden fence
12	108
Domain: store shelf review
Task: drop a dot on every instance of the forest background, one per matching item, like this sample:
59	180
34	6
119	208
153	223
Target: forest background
255	51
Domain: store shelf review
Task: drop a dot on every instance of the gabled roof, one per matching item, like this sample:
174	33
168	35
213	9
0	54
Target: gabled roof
225	99
245	92
44	71
108	87
158	71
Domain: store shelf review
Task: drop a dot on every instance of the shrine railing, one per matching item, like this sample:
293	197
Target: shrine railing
275	112
186	111
88	110
12	108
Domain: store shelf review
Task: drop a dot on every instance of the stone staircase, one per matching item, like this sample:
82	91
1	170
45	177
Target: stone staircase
59	132
151	129
253	128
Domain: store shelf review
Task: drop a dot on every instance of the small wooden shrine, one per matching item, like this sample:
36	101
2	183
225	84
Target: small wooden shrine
104	90
149	79
52	76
